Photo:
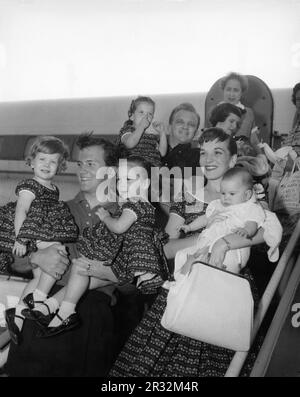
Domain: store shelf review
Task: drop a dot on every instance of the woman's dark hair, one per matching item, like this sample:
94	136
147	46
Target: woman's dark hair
214	133
135	103
187	107
235	76
295	90
87	139
222	111
50	145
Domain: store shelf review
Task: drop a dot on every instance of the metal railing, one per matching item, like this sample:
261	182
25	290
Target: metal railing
239	358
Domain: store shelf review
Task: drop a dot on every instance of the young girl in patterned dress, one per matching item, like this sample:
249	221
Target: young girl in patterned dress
37	220
140	135
128	244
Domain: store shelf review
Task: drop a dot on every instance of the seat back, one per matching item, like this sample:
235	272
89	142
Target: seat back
258	97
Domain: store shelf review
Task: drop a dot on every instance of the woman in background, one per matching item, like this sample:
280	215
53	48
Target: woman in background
234	87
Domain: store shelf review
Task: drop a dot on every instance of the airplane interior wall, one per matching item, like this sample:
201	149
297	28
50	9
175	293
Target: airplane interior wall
101	115
107	115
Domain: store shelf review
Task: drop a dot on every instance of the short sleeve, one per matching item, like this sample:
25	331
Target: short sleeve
178	208
135	207
126	129
29	185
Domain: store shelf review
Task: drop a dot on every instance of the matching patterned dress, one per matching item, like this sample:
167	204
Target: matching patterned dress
48	219
136	255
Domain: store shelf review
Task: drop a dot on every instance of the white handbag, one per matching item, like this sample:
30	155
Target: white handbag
213	306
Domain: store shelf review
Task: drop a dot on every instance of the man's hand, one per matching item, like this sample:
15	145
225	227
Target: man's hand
185	228
102	213
94	268
52	260
19	249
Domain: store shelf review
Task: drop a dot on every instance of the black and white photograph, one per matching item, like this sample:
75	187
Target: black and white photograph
149	191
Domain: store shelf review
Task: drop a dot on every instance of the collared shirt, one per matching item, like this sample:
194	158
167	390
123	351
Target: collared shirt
182	155
85	216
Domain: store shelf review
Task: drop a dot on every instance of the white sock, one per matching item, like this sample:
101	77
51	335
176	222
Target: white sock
65	310
19	321
52	303
39	295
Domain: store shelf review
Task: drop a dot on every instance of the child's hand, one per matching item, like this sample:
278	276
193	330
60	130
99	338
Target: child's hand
241	232
102	214
19	249
255	130
144	123
159	127
254	140
185	228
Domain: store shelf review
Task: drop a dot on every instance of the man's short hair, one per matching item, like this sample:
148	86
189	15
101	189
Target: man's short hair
87	139
187	107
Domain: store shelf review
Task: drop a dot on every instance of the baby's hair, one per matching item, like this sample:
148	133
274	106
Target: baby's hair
235	76
295	90
87	139
49	145
222	111
214	133
135	103
184	106
245	176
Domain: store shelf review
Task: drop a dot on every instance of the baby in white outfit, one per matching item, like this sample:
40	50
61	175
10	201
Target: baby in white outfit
236	211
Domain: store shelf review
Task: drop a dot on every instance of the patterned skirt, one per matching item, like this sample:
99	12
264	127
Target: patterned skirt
154	351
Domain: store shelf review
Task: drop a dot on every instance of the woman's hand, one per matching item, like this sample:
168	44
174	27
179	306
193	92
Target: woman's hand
240	231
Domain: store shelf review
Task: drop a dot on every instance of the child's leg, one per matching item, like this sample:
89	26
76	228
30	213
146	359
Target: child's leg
30	287
45	281
76	287
51	304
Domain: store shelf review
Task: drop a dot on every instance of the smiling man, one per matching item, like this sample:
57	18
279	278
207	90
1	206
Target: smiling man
90	349
183	124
